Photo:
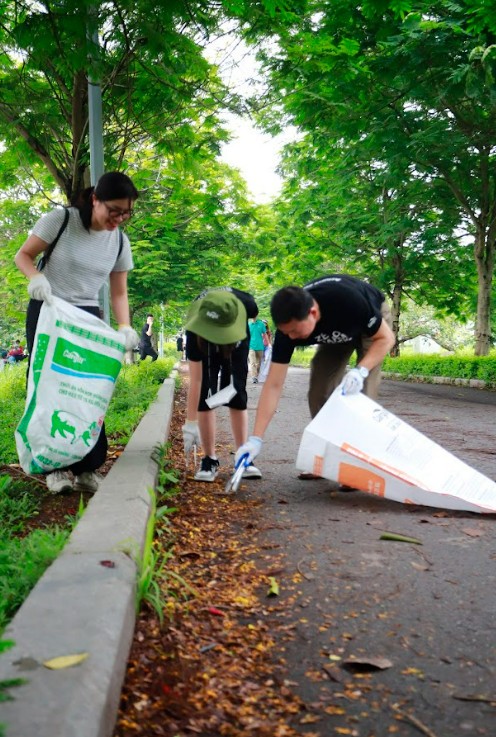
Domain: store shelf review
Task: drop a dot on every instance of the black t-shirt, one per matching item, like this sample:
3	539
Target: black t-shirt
193	353
349	308
146	340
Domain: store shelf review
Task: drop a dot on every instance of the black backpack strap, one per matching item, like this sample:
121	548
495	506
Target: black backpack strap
121	243
49	249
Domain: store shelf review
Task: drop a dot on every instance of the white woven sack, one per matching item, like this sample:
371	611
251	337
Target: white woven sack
264	368
74	365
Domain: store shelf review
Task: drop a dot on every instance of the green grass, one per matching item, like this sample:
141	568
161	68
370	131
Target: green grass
23	559
12	398
19	502
22	562
302	356
136	388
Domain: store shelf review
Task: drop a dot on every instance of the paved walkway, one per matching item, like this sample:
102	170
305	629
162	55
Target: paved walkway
428	610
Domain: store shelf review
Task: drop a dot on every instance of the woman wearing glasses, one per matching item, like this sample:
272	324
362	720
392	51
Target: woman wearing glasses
89	250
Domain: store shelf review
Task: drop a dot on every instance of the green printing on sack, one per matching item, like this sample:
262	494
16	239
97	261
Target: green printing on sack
39	355
89	335
69	358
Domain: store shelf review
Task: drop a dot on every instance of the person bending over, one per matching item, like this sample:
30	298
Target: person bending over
341	315
217	346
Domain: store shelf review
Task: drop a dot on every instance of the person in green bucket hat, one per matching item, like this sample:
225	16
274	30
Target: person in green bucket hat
217	345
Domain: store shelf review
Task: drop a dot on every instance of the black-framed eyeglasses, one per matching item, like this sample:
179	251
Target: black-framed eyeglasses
116	212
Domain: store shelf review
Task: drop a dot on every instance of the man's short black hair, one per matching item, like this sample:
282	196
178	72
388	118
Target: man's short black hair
290	303
149	314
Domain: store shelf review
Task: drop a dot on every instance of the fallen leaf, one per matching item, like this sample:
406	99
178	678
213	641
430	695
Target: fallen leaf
399	538
419	566
273	588
310	719
472	532
65	661
216	612
367	664
476	697
107	563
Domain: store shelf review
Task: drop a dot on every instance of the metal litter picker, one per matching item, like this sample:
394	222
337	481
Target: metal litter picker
234	481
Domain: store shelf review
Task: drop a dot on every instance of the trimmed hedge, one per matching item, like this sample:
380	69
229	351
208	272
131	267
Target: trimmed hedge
456	366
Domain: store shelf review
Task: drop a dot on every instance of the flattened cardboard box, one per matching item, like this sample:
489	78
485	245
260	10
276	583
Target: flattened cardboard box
356	442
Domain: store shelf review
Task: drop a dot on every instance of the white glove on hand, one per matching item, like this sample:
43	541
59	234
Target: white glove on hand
352	382
130	336
39	288
191	435
252	447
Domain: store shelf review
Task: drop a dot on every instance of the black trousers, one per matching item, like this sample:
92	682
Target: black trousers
217	373
97	455
148	351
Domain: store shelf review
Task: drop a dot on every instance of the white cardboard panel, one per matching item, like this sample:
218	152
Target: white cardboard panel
355	441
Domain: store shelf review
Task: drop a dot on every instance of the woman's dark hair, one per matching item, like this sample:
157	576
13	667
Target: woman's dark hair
290	303
114	185
224	350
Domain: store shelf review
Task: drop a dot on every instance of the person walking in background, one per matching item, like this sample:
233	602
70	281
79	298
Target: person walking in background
339	313
217	347
145	345
257	346
89	250
180	345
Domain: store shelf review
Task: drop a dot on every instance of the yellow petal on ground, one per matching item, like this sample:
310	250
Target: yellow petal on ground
65	661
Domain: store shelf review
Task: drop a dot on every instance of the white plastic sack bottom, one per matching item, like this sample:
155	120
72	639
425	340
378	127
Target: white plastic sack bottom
75	362
355	441
264	368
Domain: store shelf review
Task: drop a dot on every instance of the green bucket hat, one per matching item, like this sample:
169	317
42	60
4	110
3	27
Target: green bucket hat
219	317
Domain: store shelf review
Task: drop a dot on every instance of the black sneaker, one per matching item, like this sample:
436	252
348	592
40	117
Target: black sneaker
208	470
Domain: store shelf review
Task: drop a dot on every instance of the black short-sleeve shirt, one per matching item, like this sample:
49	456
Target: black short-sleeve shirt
349	308
193	353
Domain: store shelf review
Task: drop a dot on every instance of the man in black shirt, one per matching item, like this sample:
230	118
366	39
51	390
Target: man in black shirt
339	313
145	346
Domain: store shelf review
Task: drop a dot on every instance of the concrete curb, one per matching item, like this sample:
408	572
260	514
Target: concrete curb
85	603
473	383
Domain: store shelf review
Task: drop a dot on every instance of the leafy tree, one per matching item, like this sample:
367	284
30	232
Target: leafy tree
403	80
155	81
376	222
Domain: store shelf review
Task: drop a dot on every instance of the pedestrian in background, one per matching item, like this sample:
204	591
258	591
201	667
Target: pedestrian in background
89	250
180	345
257	346
217	345
145	346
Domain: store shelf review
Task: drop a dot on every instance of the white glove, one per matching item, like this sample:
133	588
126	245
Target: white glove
191	435
39	288
130	336
252	448
352	382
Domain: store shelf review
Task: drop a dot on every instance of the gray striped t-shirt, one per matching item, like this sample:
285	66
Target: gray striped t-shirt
81	261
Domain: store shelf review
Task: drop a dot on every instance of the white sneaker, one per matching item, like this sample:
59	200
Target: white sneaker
59	481
209	469
87	481
252	472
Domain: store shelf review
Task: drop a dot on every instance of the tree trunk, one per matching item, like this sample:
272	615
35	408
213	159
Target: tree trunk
395	312
484	259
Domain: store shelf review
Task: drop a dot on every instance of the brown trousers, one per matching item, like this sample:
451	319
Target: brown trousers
329	364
